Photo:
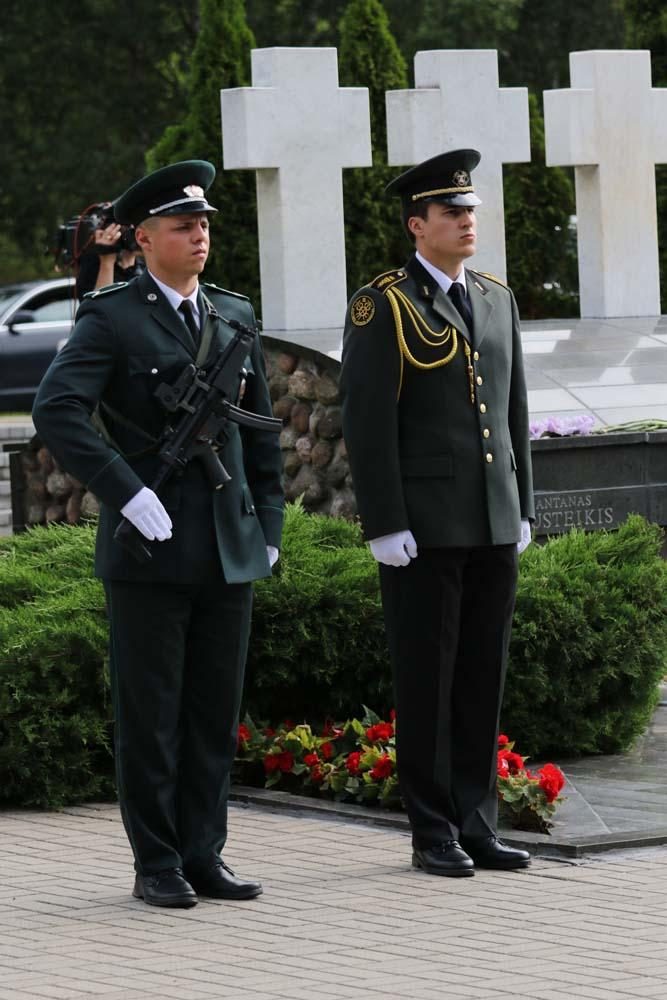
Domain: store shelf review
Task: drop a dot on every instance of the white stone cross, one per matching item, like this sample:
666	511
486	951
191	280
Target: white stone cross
298	129
612	127
459	104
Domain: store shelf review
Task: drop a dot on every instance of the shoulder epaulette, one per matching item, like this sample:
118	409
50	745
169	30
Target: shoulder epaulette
491	277
387	280
106	289
223	291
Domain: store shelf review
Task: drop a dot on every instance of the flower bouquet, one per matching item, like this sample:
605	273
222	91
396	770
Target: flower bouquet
527	799
356	762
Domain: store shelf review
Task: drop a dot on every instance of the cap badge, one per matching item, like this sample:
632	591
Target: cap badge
461	178
194	191
363	310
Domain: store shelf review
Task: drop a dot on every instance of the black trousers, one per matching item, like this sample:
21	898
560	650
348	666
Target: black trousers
177	663
448	618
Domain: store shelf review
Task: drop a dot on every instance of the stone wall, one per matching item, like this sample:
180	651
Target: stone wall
304	390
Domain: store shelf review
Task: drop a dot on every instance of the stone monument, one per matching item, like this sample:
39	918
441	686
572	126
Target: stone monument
297	128
458	103
612	127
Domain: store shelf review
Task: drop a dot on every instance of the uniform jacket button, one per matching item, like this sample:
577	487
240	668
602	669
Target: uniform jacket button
489	457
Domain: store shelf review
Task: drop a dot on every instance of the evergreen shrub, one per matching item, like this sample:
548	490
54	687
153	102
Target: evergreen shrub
589	642
55	730
587	652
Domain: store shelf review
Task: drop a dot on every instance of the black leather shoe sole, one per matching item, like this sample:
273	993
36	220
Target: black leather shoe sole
453	872
501	864
174	901
218	892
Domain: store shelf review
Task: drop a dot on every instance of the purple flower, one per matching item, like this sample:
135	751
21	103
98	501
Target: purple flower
561	426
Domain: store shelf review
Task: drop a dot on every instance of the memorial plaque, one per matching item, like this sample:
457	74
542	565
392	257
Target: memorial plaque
593	482
587	509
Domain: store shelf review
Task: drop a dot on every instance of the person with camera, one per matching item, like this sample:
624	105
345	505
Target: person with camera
111	255
180	621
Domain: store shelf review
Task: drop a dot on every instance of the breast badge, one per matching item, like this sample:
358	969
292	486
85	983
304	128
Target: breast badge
362	310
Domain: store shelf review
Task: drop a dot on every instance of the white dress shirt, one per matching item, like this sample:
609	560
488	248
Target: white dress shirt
175	298
443	279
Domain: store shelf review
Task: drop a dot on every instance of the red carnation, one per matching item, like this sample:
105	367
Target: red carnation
243	734
278	762
272	762
327	750
503	767
552	780
392	715
352	762
503	740
316	774
311	759
328	728
288	724
380	732
382	768
513	760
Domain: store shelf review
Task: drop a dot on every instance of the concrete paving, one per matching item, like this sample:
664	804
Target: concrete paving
343	916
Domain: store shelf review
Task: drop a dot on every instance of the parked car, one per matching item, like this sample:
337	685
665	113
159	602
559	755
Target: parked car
36	318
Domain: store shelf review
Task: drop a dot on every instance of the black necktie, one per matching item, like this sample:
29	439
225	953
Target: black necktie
460	300
185	309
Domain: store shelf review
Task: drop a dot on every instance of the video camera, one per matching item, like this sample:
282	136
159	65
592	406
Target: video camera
77	236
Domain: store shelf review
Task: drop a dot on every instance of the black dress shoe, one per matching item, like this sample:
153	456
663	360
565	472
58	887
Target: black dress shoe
166	888
447	858
220	882
489	852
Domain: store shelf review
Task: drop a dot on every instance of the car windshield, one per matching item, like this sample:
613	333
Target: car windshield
8	294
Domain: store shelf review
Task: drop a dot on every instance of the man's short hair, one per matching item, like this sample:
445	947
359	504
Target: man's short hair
410	208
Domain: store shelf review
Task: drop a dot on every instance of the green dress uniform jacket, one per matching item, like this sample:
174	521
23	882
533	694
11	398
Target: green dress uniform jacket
435	419
435	416
126	341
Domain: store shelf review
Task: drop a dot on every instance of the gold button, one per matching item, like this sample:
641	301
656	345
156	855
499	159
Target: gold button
482	407
489	456
476	356
486	432
479	380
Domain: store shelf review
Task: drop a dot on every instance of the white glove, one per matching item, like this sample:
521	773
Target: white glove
526	537
273	553
396	549
146	513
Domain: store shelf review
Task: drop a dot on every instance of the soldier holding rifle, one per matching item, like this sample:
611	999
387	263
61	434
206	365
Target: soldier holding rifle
179	588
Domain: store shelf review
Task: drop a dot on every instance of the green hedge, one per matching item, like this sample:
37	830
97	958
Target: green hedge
587	653
55	731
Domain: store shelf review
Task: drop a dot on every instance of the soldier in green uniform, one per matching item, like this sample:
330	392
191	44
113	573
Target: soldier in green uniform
179	623
435	419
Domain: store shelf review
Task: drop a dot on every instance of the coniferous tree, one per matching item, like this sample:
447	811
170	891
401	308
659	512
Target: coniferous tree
294	22
369	57
220	59
85	89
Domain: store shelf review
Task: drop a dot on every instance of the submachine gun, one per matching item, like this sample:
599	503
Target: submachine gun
202	404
